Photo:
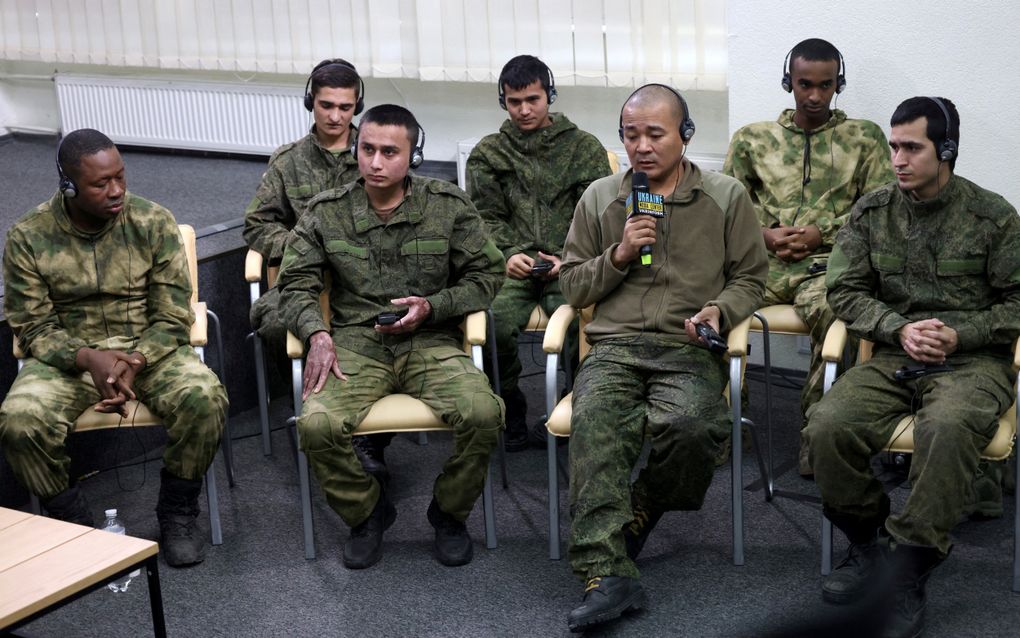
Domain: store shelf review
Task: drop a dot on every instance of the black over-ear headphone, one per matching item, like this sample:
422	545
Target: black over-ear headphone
417	153
550	93
948	148
787	81
686	125
310	99
67	185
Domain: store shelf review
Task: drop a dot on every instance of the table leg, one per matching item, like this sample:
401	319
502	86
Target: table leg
155	596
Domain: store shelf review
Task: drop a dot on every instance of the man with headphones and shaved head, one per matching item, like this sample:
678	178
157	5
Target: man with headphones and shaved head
525	181
414	248
804	172
648	369
928	268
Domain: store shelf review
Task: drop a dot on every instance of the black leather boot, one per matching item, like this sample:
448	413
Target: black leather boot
180	537
453	543
372	454
70	506
364	547
606	598
912	565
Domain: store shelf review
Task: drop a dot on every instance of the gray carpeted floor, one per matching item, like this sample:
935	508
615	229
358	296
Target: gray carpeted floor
259	584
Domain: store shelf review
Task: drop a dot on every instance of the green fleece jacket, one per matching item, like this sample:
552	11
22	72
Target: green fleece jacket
708	251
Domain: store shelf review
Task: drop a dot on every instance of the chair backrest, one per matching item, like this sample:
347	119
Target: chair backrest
614	161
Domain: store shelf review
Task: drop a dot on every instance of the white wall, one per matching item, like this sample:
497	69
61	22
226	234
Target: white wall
966	51
450	111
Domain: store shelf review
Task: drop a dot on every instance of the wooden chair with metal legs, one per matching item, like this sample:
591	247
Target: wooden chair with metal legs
559	411
902	440
253	275
140	416
393	413
779	319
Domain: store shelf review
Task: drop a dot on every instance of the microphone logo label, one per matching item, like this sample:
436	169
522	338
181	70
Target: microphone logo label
647	204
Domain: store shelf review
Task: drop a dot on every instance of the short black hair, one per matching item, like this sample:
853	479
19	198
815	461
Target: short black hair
393	115
814	50
336	73
521	71
920	106
80	144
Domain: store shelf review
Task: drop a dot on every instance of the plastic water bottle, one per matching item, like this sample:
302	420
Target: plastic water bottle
113	524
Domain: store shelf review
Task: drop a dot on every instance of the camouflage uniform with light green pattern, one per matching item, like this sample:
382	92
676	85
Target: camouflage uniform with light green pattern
435	246
297	172
125	288
845	159
525	185
896	261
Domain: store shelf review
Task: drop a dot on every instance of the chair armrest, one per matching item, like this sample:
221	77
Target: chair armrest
295	349
253	266
835	342
200	328
474	328
736	340
556	329
1016	355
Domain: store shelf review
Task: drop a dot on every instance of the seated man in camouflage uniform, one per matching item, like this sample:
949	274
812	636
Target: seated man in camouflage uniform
297	172
525	181
647	370
927	267
804	172
98	292
392	242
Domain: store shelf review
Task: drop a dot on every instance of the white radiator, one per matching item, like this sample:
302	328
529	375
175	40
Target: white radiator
204	116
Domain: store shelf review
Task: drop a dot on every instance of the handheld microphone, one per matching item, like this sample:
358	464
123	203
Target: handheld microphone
641	202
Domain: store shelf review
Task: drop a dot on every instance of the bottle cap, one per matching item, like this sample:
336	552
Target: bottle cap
111	513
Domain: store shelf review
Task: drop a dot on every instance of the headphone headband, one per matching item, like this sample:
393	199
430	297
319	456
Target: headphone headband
309	99
948	149
67	185
550	93
686	125
787	81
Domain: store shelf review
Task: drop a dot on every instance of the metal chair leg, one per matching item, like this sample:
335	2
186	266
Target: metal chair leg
489	510
302	463
552	462
736	448
226	440
826	546
490	329
215	530
263	393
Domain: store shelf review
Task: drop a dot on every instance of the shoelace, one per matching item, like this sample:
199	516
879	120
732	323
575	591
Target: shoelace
593	583
854	554
641	518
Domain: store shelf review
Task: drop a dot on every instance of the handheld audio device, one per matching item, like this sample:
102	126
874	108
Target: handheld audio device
711	338
916	372
390	318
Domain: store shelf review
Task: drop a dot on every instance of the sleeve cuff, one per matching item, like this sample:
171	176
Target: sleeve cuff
968	337
440	303
889	326
310	323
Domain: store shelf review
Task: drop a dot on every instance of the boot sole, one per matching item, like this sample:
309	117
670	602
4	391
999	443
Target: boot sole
843	598
377	555
635	602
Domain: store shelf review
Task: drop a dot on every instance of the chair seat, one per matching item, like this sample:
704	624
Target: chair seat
902	439
538	319
782	318
400	413
559	421
138	415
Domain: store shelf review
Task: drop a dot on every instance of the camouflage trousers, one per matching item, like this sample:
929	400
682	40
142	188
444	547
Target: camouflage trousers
792	285
626	387
267	321
511	309
957	416
445	379
44	402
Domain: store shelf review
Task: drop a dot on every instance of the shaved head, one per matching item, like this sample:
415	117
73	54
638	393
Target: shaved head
654	95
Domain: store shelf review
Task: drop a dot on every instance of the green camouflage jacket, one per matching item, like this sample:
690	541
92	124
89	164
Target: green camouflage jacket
844	160
297	172
126	287
526	184
955	258
434	246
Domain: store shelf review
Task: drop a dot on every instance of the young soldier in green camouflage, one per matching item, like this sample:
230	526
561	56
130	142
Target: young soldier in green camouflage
929	269
525	181
646	370
804	172
298	172
98	294
392	241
